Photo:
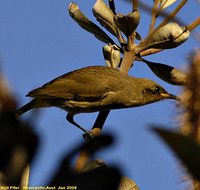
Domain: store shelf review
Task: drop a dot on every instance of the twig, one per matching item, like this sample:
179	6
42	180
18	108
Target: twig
135	4
194	24
172	15
163	14
149	52
154	15
130	44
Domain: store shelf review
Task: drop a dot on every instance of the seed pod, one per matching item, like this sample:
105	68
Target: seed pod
111	56
168	36
167	73
133	20
121	22
88	25
127	23
104	16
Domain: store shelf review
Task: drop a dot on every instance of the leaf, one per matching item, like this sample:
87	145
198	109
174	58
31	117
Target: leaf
101	178
166	3
97	176
185	147
88	25
167	73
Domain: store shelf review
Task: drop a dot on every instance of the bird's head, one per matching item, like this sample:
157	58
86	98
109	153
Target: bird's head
153	92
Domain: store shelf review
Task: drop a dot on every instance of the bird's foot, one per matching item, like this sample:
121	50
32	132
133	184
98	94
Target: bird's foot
88	135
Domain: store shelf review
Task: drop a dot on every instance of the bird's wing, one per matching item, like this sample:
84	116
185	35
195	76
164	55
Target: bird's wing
78	86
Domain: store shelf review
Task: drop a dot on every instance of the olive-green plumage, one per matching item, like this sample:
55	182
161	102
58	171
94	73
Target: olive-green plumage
93	89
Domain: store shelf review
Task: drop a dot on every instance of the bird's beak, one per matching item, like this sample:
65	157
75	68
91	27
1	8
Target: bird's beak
169	96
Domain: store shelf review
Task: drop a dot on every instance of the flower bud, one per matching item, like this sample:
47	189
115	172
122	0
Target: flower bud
104	16
168	36
127	23
121	22
111	56
133	20
88	25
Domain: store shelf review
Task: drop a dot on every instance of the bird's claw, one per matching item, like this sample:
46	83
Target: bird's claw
88	135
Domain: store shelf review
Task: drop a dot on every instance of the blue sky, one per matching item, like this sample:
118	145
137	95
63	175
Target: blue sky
39	41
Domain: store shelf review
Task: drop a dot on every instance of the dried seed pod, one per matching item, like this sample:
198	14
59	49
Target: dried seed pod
127	23
168	36
133	20
88	25
106	53
127	184
121	22
167	73
104	16
111	55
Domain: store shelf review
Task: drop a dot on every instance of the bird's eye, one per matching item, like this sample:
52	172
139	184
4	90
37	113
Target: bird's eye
156	90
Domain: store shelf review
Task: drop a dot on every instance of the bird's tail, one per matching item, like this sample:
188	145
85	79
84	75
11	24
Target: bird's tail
26	107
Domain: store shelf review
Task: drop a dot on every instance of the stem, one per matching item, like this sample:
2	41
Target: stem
127	62
194	24
173	14
154	15
149	52
135	4
130	44
163	13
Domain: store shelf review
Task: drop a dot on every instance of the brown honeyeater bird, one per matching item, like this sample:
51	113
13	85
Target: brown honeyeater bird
95	88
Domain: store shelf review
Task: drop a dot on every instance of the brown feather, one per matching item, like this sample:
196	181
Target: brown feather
76	85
